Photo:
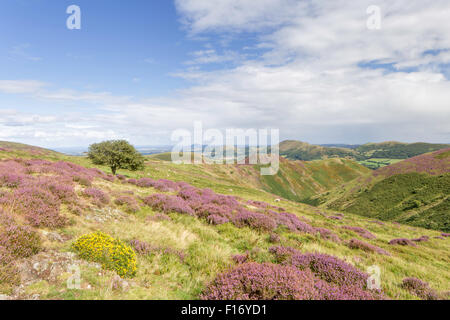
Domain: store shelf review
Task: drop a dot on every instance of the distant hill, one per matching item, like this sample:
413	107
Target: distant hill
297	150
20	149
397	150
371	155
414	191
296	180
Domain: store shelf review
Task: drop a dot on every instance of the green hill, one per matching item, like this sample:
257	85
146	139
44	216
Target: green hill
297	150
59	211
371	155
414	191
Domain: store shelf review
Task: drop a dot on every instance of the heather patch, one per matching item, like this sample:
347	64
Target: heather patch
168	203
254	220
419	288
253	281
9	274
402	242
361	231
20	241
145	248
39	205
361	245
99	197
266	281
241	258
325	267
421	239
216	219
327	234
129	203
274	238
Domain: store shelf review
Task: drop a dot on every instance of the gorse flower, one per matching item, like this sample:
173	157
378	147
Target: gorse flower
113	254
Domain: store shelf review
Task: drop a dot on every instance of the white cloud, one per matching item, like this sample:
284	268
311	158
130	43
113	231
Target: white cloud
308	82
20	86
21	51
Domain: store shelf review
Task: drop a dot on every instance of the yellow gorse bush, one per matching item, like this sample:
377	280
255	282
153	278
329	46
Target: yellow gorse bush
112	253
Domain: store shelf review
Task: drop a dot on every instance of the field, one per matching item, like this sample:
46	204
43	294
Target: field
374	163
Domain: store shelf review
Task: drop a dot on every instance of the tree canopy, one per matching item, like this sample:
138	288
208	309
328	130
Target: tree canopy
116	154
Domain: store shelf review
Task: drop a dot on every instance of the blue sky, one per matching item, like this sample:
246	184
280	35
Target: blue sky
139	70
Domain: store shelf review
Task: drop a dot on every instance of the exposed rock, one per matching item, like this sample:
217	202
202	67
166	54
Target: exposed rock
55	237
117	283
49	266
106	214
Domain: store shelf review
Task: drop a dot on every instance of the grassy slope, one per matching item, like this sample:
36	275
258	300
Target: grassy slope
296	180
209	248
401	193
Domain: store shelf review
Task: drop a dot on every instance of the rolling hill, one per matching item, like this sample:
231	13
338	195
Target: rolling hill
371	155
414	191
295	180
168	231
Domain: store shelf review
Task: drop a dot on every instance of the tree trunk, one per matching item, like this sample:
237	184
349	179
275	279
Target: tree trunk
113	169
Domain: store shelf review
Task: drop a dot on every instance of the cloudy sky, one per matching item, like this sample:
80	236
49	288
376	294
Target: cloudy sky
320	71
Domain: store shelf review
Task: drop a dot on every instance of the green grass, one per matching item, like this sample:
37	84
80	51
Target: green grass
209	248
413	198
374	163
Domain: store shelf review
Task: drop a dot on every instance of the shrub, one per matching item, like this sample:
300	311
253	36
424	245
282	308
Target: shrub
168	203
112	253
21	242
253	281
145	248
39	205
327	234
266	281
445	234
254	220
274	238
128	202
402	242
100	198
358	244
216	219
84	181
419	288
9	274
421	239
240	258
325	267
292	222
361	231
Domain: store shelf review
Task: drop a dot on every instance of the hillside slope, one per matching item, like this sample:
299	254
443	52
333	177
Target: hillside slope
371	155
295	180
414	191
167	239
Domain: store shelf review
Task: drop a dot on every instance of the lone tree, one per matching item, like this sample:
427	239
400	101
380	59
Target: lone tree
117	154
